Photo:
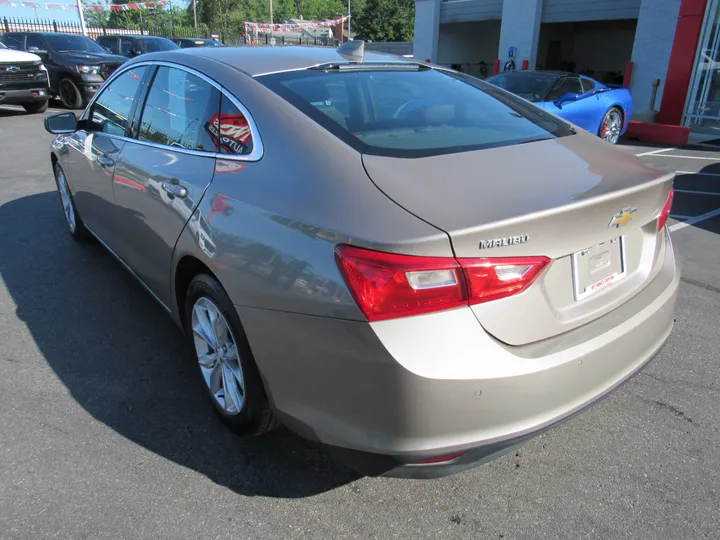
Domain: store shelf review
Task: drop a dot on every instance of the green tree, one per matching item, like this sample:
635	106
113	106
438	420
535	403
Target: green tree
386	20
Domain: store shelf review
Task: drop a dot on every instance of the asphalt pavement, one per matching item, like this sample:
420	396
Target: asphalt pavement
105	432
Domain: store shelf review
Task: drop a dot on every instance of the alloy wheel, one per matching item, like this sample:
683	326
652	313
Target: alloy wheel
612	125
218	356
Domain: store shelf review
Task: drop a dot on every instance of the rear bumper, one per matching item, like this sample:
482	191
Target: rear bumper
387	395
26	95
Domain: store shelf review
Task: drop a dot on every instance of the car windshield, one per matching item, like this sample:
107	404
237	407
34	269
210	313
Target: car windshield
531	86
68	43
159	44
413	111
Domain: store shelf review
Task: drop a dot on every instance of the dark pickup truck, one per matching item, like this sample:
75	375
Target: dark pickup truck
77	66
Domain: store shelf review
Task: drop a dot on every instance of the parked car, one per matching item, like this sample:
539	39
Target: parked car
23	80
186	43
419	293
132	46
602	109
77	66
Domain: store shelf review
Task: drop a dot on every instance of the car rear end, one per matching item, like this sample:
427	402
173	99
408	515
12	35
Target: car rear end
561	284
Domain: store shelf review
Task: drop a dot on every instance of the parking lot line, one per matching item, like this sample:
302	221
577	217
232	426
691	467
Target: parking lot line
676	216
695	192
653	152
683	157
694	220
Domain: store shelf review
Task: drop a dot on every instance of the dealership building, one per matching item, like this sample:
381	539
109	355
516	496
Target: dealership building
634	42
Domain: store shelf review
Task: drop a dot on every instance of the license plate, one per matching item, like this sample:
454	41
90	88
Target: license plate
598	267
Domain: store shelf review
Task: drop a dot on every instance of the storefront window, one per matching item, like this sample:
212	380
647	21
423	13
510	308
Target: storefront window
703	108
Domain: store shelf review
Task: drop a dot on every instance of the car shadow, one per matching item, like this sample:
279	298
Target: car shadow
6	113
704	180
126	363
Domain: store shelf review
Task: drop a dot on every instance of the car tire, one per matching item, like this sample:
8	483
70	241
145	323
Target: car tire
72	219
611	125
244	407
69	94
35	107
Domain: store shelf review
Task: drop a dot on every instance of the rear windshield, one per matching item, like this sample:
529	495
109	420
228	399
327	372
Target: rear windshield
413	113
530	85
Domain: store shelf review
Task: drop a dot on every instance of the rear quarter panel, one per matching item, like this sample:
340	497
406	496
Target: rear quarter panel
268	229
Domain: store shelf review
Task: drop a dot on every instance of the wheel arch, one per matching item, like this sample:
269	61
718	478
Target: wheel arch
187	267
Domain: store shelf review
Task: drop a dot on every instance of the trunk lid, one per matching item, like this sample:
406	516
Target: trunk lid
550	198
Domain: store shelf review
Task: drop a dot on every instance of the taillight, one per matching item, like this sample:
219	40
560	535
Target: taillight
666	210
388	286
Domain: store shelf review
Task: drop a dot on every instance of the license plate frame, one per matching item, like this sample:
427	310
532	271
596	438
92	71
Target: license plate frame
612	271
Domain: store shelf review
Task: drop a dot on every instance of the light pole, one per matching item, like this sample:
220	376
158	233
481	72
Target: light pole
348	36
272	27
82	17
195	14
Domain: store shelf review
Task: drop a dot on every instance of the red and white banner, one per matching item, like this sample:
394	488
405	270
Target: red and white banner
293	27
95	7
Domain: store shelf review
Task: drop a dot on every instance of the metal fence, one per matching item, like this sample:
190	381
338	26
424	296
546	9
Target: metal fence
13	24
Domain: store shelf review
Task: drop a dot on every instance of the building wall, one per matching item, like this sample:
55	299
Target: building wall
603	46
470	10
589	10
469	43
651	51
427	28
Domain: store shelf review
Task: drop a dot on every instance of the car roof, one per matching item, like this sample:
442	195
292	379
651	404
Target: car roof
135	36
261	60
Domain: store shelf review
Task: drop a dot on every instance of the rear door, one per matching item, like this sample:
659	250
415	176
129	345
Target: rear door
162	174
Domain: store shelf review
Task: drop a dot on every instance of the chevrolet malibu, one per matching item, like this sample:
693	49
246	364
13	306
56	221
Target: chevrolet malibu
411	267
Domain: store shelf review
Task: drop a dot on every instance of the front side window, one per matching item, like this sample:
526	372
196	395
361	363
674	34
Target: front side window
127	46
568	85
230	130
111	110
36	42
413	112
178	108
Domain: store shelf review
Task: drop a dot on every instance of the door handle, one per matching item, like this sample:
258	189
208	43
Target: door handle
105	161
174	190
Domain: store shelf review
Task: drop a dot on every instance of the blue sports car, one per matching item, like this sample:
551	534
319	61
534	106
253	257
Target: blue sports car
602	109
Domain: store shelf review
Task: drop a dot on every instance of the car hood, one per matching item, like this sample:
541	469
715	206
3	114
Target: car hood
10	55
92	58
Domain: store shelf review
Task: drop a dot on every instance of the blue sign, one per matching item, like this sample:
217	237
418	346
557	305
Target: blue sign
511	52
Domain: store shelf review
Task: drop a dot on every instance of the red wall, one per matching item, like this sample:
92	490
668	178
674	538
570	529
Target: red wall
682	60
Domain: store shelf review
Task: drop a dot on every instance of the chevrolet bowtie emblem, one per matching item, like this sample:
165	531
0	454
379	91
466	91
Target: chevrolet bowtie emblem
622	217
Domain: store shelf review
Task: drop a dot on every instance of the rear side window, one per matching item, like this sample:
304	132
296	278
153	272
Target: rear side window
112	108
13	41
178	108
413	113
588	85
230	130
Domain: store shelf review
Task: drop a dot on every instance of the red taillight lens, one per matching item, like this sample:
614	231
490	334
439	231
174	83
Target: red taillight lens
666	210
492	279
388	286
440	459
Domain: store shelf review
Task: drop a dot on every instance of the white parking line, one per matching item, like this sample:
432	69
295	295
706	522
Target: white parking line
698	173
694	220
684	157
694	192
653	152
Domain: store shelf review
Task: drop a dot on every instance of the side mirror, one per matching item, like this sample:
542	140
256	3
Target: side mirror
107	49
567	98
58	124
136	52
35	50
